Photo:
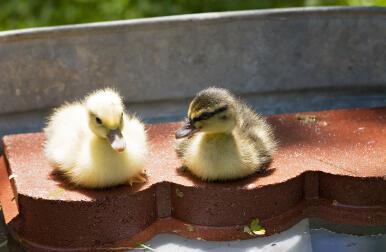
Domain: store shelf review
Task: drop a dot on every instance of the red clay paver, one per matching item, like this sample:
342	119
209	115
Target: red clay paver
333	168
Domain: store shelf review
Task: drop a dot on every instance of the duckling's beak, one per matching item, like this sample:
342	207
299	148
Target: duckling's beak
186	130
116	140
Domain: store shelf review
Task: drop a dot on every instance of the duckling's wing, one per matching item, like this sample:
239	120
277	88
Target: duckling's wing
255	129
65	131
136	141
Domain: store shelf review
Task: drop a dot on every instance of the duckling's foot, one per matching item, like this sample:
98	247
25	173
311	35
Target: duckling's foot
136	179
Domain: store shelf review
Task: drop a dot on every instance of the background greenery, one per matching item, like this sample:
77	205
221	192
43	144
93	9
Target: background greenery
15	14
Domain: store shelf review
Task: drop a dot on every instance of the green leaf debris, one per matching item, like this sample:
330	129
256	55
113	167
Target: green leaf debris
142	245
306	118
179	193
254	228
52	194
189	227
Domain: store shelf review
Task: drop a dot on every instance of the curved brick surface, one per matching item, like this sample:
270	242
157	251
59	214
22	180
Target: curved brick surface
333	168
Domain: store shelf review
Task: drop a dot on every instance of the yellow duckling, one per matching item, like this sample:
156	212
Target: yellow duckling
223	139
94	143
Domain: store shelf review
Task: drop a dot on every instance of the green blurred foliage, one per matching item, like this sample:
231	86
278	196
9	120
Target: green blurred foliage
15	14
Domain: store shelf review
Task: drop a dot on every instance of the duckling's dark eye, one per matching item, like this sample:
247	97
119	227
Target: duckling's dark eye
98	120
204	116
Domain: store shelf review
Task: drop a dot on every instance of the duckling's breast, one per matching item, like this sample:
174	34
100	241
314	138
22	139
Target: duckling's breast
99	165
215	156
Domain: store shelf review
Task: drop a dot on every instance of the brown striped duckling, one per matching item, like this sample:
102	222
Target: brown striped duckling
222	138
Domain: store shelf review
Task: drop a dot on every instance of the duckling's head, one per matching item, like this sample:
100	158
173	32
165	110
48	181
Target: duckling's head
105	112
213	110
